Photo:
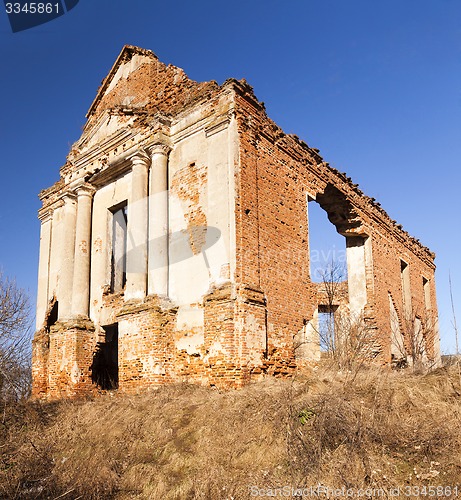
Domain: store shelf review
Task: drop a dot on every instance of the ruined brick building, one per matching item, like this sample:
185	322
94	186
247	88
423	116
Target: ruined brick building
174	246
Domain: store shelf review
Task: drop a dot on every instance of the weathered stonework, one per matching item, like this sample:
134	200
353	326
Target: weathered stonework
174	247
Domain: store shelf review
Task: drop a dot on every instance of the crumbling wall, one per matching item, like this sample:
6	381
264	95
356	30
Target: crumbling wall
40	360
239	301
271	230
277	174
71	349
138	80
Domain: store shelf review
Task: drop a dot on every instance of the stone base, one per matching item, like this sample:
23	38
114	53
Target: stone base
62	360
227	349
40	359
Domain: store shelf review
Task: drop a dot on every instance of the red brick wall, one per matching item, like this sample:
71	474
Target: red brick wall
62	360
250	324
155	87
40	360
275	175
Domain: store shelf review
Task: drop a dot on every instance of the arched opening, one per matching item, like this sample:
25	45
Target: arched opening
339	251
327	248
343	216
328	269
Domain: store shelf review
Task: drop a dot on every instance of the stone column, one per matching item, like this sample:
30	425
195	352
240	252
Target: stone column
136	262
57	235
66	258
81	284
43	267
158	221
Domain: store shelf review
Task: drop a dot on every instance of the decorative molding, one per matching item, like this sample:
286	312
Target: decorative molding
52	207
104	148
83	188
68	197
217	127
141	157
159	149
45	215
115	170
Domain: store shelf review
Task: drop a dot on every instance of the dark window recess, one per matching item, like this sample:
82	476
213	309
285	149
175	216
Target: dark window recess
52	317
119	248
104	370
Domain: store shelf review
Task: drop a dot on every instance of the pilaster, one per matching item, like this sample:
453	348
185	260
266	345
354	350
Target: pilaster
66	257
81	282
44	266
136	282
158	220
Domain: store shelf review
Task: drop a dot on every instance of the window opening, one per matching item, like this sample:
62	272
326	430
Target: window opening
406	290
104	370
427	294
119	247
327	248
326	327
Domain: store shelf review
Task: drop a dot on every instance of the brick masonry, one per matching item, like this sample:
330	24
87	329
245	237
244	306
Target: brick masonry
229	317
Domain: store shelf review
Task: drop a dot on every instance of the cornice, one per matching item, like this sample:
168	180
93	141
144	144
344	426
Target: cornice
49	192
103	148
48	209
219	125
45	214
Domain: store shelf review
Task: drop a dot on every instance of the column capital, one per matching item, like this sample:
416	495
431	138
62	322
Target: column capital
159	148
140	158
84	189
45	214
68	196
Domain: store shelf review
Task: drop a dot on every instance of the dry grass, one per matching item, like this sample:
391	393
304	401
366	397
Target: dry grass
371	429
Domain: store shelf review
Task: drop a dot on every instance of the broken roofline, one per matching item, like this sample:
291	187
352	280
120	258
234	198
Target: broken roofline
277	135
126	53
246	91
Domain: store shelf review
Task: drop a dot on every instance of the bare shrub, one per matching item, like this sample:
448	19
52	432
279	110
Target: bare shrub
15	337
346	338
355	342
411	346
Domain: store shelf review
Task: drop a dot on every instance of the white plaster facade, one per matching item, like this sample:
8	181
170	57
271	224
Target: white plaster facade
118	164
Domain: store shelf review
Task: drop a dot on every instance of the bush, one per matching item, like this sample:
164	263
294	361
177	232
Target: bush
15	338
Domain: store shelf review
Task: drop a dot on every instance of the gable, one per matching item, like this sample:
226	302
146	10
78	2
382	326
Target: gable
139	82
127	62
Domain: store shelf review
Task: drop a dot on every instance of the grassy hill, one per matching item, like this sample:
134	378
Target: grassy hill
368	429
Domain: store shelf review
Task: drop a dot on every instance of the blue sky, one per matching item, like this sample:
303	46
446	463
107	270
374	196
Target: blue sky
376	86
